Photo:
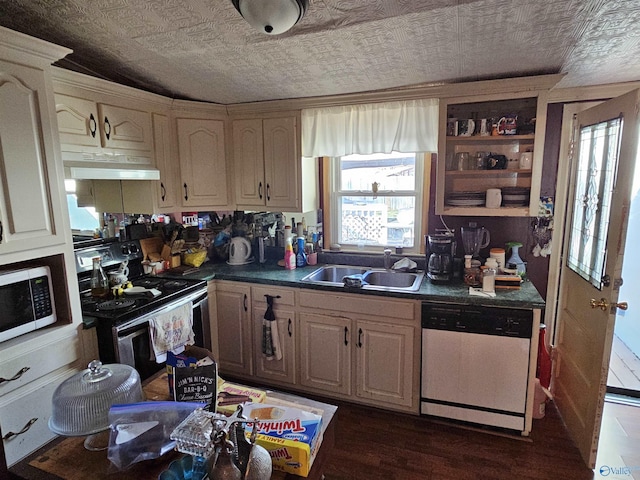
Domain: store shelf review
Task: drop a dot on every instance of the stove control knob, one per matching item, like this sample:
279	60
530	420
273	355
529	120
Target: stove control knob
133	248
125	249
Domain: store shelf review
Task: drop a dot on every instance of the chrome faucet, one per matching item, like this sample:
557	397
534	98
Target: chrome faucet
387	258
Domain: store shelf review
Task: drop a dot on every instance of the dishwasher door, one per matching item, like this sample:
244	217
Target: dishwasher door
475	377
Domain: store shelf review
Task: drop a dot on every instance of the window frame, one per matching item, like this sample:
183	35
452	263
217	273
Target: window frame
332	195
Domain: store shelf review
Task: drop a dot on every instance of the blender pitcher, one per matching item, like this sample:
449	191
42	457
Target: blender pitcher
474	239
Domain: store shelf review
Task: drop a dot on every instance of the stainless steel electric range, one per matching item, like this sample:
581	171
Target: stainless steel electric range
122	322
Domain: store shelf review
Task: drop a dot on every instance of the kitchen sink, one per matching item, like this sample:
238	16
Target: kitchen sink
373	278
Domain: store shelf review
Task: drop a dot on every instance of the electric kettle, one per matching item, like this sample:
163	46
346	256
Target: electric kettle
239	251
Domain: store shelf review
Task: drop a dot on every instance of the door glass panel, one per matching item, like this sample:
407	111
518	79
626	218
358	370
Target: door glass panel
598	147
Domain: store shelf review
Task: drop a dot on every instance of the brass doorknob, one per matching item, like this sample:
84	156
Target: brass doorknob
603	304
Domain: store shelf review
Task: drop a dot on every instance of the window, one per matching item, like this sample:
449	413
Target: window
376	201
83	219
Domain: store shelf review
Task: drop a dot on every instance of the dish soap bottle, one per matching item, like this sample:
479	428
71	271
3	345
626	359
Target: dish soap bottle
301	257
99	281
289	256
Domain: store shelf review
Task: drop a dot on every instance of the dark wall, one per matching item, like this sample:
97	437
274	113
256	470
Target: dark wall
506	229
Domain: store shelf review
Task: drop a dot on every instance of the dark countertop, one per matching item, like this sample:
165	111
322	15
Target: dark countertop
456	292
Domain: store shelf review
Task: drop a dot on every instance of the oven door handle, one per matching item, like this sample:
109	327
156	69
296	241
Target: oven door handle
164	308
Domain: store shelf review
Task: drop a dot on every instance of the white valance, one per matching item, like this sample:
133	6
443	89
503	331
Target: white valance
403	126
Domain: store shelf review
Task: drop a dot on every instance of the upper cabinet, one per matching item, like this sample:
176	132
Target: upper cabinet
203	171
491	143
166	194
31	191
269	170
85	123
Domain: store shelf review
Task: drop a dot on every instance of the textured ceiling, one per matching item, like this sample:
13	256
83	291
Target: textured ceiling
204	50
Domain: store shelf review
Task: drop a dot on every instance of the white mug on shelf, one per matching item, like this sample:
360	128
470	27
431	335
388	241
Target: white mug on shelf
526	159
494	198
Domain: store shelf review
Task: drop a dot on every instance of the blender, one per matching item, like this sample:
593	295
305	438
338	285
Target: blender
473	239
440	262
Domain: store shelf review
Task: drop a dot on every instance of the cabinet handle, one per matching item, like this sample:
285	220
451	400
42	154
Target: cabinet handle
24	429
289	328
244	302
22	371
163	190
260	190
93	126
359	338
186	192
1	230
107	128
268	192
346	335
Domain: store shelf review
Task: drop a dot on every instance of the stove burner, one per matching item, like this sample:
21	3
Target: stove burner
174	284
115	304
147	282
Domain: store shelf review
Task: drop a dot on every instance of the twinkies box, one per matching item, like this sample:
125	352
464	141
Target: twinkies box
292	436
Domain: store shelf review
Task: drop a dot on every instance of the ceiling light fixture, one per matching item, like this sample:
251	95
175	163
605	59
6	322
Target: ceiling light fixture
272	17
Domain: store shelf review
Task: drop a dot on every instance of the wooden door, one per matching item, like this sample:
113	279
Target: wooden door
202	162
248	163
124	128
233	316
282	370
283	164
605	150
385	362
166	188
325	352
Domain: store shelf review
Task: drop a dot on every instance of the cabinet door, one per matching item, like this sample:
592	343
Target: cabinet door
282	370
28	215
124	128
325	352
282	163
385	360
248	163
202	162
233	319
166	188
77	121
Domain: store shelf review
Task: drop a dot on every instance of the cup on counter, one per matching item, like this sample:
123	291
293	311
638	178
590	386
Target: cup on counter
312	258
494	198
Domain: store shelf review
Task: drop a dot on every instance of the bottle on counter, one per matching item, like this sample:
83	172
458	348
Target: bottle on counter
289	256
301	256
489	275
99	280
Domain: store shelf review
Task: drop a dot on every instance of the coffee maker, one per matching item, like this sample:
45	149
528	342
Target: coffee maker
442	247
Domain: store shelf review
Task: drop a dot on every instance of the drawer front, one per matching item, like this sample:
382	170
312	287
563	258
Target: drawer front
287	296
362	304
36	363
19	409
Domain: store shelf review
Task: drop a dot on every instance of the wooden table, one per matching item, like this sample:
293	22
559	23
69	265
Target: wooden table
66	458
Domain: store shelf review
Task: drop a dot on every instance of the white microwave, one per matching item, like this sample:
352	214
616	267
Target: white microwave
26	301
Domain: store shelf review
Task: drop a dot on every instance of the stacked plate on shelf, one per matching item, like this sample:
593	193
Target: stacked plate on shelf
465	199
515	197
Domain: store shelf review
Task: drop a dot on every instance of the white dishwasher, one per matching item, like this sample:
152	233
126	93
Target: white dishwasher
475	363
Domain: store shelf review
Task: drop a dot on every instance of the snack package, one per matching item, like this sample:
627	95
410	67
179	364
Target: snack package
192	379
292	436
230	395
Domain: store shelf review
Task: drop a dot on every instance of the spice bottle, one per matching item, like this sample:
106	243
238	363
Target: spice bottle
489	276
99	281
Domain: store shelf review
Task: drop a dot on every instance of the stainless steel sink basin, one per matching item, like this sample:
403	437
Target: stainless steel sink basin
373	278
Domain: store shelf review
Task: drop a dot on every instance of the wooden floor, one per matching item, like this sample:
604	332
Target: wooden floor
619	446
624	369
371	445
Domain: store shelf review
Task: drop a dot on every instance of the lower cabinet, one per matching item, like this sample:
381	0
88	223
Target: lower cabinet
362	348
277	370
232	328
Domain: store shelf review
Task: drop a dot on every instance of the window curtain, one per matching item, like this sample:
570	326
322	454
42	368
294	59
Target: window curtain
403	126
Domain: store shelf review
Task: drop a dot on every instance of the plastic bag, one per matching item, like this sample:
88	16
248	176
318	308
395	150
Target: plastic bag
141	431
194	257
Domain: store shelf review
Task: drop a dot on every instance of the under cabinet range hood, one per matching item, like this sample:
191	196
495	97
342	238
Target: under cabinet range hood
121	173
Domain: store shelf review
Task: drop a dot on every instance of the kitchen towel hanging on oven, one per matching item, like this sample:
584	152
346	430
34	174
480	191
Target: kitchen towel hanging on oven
271	348
171	331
